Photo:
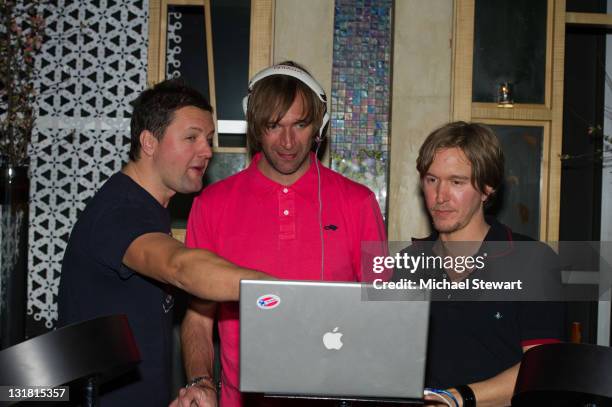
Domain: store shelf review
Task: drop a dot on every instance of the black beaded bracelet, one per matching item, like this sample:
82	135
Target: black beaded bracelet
467	394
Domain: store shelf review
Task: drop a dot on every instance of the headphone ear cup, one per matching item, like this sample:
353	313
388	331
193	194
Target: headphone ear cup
324	123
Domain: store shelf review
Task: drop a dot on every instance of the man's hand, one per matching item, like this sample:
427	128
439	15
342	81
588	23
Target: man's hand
201	273
200	395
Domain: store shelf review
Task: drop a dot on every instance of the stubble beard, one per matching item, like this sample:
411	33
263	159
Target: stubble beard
449	228
276	168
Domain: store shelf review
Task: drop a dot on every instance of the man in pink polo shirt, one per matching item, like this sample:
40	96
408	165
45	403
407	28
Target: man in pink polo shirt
286	214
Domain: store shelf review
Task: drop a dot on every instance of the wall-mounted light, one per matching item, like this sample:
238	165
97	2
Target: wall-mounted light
504	95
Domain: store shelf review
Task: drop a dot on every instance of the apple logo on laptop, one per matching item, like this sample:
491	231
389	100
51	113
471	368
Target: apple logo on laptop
332	340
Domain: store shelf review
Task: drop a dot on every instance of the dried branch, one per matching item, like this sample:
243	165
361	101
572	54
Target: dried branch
21	37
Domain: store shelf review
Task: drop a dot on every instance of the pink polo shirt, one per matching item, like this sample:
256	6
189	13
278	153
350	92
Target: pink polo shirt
257	223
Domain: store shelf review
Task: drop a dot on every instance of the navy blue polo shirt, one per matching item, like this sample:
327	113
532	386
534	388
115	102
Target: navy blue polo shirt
94	282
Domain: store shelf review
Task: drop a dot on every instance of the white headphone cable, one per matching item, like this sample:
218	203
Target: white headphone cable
320	210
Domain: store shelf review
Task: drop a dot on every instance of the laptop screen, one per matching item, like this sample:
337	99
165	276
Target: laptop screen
331	339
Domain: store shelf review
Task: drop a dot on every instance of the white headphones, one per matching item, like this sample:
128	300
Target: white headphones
297	73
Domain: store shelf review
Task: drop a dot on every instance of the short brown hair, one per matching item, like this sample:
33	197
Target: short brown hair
479	144
154	109
270	100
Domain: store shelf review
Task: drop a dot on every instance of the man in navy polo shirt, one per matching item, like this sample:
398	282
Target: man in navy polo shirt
121	258
475	347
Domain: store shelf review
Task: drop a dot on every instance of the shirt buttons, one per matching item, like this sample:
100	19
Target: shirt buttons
285	190
285	212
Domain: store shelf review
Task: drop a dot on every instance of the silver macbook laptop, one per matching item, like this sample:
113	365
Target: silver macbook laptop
326	339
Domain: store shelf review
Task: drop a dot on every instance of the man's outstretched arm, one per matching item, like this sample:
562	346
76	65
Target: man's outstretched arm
201	273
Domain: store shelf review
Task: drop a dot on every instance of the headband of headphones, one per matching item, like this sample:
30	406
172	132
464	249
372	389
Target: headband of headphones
294	72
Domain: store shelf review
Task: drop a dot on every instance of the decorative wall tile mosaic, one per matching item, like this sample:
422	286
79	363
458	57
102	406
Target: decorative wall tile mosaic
360	101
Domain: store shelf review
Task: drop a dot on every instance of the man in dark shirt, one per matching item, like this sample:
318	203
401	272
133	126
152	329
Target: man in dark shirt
475	346
121	258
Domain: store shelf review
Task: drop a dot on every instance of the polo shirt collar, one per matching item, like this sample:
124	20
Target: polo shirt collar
306	185
498	232
501	235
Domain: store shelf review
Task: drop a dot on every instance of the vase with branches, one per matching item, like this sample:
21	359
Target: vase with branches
21	36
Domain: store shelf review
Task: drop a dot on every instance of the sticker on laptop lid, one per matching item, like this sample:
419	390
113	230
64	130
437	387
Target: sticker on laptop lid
268	301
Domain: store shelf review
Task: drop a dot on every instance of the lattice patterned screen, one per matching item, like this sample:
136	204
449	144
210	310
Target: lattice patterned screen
94	62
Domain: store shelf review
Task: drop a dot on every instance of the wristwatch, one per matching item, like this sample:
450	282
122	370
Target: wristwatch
208	382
